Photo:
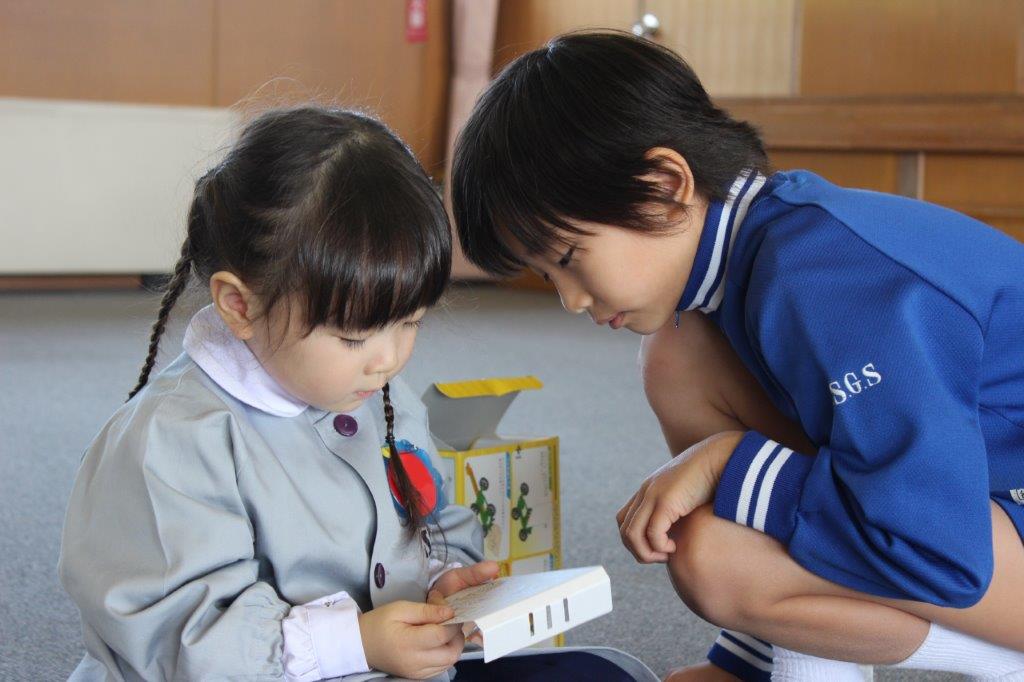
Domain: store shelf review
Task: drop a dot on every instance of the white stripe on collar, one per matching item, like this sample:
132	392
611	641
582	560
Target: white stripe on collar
722	224
741	213
229	362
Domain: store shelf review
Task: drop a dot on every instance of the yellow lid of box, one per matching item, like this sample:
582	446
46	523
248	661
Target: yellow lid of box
477	388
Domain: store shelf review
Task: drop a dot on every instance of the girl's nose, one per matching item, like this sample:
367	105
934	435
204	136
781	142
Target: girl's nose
384	361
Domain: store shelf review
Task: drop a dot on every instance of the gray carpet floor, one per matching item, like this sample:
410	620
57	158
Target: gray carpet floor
67	361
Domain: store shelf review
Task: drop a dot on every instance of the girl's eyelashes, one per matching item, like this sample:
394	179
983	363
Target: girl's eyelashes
359	343
352	343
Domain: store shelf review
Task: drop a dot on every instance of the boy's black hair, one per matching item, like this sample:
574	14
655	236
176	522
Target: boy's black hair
326	207
562	132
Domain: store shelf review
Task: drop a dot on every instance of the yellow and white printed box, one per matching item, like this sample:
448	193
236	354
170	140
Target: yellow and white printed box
511	483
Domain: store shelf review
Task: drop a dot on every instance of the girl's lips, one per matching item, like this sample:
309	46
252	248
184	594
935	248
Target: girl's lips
365	394
616	322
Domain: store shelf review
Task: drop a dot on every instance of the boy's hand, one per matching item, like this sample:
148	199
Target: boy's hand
671	492
406	639
457	579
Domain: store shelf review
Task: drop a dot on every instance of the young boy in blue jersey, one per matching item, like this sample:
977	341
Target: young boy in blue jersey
839	372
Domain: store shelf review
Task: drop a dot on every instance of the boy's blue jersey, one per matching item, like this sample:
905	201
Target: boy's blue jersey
892	331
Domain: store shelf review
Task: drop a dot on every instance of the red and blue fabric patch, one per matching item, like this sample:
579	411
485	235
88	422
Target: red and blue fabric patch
426	480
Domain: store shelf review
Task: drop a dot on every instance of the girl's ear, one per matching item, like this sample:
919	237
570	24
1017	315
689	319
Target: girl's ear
673	174
235	302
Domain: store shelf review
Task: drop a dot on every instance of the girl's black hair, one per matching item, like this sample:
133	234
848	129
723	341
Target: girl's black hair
327	207
562	132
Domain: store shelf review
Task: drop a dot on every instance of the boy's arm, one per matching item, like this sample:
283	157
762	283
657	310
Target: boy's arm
895	501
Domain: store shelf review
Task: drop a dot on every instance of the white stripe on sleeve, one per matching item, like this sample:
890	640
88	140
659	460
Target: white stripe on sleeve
765	495
750	480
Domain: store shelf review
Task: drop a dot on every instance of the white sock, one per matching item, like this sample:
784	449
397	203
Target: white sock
955	652
793	666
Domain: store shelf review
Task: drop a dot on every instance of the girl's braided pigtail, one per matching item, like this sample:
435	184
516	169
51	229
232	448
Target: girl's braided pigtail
410	496
176	285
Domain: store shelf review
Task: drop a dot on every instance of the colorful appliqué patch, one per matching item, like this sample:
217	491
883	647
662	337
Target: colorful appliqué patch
425	479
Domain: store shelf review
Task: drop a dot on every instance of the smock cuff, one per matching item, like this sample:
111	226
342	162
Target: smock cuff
322	640
761	486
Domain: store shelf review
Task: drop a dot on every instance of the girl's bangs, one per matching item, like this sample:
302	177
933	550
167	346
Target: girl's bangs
370	286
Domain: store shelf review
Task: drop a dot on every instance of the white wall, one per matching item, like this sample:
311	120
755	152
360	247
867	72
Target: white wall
100	188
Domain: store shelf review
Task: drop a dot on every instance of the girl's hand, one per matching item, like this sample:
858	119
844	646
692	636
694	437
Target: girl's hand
457	579
671	492
406	639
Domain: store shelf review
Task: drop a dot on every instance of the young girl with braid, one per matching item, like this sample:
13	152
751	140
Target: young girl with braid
838	372
269	505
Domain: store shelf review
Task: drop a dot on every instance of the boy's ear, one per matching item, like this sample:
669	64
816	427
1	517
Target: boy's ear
673	174
235	303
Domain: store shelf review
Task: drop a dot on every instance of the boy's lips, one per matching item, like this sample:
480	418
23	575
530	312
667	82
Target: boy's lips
615	322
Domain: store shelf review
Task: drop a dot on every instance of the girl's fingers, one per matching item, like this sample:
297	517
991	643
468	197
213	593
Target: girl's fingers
458	579
422	614
483	572
435	597
445	654
434	636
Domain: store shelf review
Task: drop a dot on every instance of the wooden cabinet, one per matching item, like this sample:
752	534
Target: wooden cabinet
102	186
923	98
985	186
911	47
966	153
219	53
108	50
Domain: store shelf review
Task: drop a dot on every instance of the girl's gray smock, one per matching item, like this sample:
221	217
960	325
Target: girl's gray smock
196	522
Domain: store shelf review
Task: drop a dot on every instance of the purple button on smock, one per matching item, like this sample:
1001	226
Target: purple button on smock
346	425
378	576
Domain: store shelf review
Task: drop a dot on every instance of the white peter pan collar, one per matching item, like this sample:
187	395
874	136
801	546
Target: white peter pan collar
230	363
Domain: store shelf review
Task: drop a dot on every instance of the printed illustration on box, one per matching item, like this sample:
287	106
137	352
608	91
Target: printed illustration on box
534	513
521	512
510	483
480	506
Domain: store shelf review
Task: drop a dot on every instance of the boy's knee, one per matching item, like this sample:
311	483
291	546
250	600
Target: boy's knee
696	568
709	576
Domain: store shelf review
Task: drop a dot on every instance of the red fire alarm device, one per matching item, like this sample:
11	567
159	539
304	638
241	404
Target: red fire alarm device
416	21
